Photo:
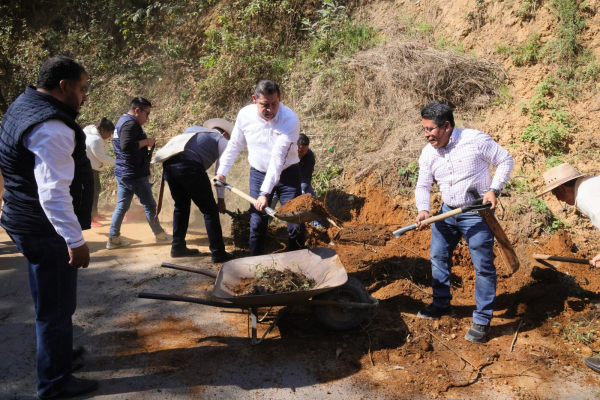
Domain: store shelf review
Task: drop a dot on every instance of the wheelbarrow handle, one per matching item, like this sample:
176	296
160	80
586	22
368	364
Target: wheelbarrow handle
194	270
243	195
155	296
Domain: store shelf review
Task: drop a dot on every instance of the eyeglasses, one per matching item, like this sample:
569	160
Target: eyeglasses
429	129
146	111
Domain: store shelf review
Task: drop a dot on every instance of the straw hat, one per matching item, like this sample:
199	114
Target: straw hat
559	175
219	123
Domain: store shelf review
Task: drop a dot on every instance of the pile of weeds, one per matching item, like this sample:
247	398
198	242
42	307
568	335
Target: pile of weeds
268	280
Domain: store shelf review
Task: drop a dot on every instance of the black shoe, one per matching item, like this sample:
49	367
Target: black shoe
435	312
76	387
77	352
593	363
221	258
184	252
478	333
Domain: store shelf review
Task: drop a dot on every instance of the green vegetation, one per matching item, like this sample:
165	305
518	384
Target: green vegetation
408	175
551	223
529	52
528	9
551	124
323	177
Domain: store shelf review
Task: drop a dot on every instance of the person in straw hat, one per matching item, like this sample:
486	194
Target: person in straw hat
582	191
186	158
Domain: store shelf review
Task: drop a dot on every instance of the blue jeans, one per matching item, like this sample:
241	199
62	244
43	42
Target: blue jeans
287	189
53	285
445	235
188	181
127	187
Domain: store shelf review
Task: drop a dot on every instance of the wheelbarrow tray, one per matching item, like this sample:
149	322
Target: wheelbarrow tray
321	264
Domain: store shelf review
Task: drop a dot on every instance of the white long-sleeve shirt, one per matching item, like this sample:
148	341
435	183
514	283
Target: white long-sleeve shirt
52	142
96	148
587	198
271	144
463	164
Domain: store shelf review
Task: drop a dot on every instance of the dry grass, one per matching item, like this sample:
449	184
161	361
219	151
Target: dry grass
385	89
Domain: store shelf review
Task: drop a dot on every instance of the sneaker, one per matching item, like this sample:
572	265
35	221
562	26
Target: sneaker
164	237
99	217
593	363
478	333
114	242
96	224
435	312
184	252
221	258
76	387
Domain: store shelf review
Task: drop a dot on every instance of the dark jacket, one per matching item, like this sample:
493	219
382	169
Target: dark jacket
23	213
131	160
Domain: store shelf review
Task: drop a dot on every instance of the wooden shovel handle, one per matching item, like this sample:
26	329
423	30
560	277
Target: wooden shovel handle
564	259
440	217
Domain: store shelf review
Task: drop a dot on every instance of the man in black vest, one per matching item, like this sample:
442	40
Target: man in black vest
49	194
132	169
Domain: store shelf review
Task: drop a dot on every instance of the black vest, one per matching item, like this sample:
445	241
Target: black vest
22	213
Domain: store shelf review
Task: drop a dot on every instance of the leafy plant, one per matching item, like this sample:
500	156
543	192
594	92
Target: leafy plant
529	52
322	178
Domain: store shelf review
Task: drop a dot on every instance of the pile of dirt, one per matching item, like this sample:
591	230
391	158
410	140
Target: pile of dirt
373	234
270	280
305	202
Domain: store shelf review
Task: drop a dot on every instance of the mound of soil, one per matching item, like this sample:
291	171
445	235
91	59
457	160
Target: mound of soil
374	234
305	202
270	280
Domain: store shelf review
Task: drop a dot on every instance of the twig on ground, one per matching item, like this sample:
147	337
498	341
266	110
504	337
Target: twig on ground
370	354
512	345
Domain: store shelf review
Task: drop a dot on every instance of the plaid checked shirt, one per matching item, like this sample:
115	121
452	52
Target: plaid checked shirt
463	164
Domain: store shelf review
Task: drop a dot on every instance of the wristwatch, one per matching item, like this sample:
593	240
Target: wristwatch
265	194
495	191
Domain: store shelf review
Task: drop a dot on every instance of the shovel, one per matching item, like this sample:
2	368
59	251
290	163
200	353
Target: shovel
296	217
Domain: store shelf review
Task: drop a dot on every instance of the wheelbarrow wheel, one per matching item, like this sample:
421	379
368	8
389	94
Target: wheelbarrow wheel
339	318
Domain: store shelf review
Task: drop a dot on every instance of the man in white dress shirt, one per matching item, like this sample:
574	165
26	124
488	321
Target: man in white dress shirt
583	192
458	160
270	130
49	194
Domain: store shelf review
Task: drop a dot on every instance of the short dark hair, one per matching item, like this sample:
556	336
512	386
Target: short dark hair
438	112
139	102
266	87
303	140
106	125
58	68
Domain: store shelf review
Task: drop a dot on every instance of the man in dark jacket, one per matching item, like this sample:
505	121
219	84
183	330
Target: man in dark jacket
132	170
307	167
49	194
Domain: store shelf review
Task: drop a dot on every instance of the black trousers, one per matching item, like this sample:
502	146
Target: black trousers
188	181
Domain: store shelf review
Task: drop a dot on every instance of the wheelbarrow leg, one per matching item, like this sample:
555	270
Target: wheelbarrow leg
254	313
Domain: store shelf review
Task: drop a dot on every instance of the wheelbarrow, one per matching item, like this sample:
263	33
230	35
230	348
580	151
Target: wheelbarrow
340	302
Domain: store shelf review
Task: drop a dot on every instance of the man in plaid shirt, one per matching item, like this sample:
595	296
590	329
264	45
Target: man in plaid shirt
458	160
